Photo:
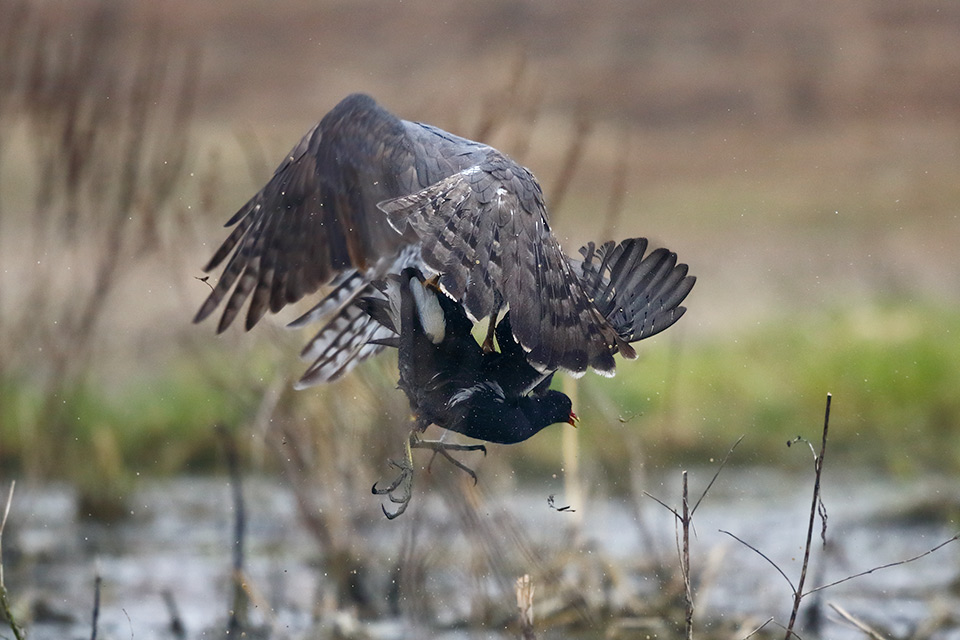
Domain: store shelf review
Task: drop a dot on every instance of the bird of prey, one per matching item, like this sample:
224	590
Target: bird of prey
365	194
497	396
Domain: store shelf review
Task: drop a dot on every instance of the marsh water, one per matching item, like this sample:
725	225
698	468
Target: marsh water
171	556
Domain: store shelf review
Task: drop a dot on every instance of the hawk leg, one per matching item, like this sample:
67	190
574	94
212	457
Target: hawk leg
400	491
443	448
488	341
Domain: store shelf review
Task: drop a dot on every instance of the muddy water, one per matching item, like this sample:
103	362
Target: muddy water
178	536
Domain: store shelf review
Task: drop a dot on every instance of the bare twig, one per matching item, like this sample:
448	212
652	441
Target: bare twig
815	508
685	516
773	564
885	566
723	463
663	504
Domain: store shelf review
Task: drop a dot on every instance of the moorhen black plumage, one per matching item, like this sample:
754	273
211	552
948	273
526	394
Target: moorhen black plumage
450	381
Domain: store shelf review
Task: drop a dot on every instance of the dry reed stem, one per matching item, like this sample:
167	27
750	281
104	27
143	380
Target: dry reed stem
239	602
525	607
685	561
497	107
176	626
95	619
618	186
815	508
110	141
568	165
857	623
4	596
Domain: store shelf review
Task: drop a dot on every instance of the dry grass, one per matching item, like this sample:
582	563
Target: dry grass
108	145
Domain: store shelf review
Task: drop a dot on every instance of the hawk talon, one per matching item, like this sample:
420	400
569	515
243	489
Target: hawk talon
403	482
400	491
393	485
470	472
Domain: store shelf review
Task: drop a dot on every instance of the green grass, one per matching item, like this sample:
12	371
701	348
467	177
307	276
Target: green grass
894	372
157	424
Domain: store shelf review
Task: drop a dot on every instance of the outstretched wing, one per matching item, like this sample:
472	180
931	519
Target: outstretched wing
317	217
485	230
640	295
477	216
313	218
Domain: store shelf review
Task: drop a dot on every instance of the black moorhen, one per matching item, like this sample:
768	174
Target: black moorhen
452	382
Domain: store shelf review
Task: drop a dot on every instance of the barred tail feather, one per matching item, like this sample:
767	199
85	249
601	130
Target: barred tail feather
342	344
640	296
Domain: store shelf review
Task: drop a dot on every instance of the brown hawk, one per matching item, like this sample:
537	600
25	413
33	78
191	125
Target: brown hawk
365	194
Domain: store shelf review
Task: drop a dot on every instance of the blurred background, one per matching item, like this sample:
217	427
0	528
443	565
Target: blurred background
801	157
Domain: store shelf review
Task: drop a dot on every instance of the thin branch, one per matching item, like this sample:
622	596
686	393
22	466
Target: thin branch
813	451
723	463
663	504
815	507
761	554
886	566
